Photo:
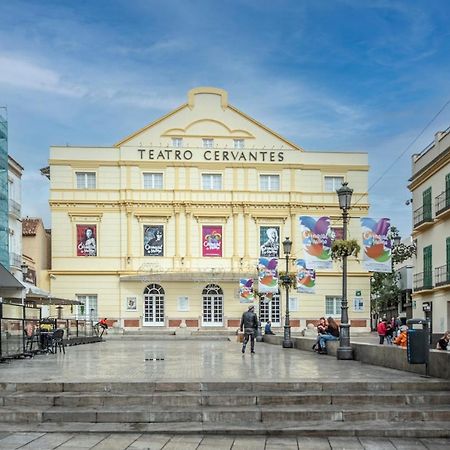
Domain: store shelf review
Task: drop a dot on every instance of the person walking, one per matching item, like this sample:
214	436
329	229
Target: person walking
381	330
249	325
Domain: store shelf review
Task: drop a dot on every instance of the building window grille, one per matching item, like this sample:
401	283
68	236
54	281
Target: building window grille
86	180
333	305
269	182
153	180
177	142
208	143
88	308
333	183
212	181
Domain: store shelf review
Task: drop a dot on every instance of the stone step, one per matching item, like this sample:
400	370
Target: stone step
369	387
188	399
246	414
381	428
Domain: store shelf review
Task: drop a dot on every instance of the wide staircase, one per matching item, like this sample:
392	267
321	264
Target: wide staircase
312	408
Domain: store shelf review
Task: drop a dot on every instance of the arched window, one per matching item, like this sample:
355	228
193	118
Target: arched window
153	305
212	305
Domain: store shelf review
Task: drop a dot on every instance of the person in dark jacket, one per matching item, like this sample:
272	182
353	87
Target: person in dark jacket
332	334
249	325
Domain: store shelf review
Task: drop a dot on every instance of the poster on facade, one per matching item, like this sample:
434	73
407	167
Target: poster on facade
246	294
86	240
153	240
268	275
212	240
376	244
306	278
316	238
269	242
337	233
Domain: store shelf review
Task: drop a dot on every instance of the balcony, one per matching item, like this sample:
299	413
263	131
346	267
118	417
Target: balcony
14	208
442	275
442	202
422	217
422	281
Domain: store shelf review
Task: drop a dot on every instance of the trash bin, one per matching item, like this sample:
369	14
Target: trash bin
418	349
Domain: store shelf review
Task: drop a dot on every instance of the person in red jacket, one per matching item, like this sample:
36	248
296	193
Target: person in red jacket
381	330
104	325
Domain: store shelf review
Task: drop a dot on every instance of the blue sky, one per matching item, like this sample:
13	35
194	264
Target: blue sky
328	75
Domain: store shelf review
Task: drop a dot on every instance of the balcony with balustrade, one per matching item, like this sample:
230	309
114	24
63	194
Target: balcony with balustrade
422	281
442	275
422	218
442	204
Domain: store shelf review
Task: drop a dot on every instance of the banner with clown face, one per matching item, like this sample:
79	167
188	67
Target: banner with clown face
246	294
377	246
268	275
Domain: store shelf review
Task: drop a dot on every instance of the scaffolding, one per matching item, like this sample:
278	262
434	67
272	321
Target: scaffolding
4	233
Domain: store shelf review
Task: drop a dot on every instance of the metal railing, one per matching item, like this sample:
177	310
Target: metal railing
442	202
18	322
422	281
442	275
421	216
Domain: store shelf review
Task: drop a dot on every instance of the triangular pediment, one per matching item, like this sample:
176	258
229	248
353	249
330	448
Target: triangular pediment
207	114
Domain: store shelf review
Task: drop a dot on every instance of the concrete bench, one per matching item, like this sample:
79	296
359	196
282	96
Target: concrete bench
379	355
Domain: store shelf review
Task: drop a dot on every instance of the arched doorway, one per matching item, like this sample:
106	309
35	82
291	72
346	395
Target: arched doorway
270	311
153	305
212	306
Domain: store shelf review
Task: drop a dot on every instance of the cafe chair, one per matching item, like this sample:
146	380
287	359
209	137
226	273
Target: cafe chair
30	340
57	341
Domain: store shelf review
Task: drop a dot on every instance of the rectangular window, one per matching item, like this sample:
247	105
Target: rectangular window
211	181
208	143
86	180
447	190
448	259
333	306
153	180
238	143
426	201
177	142
269	182
88	309
428	267
333	183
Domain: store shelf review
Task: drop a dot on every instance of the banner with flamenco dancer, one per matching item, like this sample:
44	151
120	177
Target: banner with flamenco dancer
376	244
246	294
306	278
268	275
316	238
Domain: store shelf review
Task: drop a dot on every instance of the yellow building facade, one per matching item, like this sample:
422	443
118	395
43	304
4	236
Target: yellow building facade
157	230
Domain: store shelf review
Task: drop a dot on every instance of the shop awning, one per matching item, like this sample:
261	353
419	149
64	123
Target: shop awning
32	291
9	285
56	301
41	297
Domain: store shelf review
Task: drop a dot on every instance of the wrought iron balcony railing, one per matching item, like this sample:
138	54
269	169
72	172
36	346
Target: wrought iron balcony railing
422	281
422	215
442	202
442	275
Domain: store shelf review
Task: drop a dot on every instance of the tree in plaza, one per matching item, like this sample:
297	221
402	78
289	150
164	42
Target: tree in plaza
384	289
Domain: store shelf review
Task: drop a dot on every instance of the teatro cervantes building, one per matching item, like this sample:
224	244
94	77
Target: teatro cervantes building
157	230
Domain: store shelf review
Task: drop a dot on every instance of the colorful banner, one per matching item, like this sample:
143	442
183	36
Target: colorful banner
306	278
268	275
316	237
376	244
269	242
153	240
86	240
212	240
246	294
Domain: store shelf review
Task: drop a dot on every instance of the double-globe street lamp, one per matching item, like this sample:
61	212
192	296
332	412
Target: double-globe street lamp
344	350
287	341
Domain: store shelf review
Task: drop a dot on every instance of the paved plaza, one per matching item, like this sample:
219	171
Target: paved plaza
192	361
172	359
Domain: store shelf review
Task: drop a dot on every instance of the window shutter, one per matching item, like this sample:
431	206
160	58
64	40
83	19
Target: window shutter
428	267
426	197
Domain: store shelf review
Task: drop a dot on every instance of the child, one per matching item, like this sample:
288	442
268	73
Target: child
402	339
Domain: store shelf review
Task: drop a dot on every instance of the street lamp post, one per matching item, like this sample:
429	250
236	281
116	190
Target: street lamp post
287	341
24	270
344	350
